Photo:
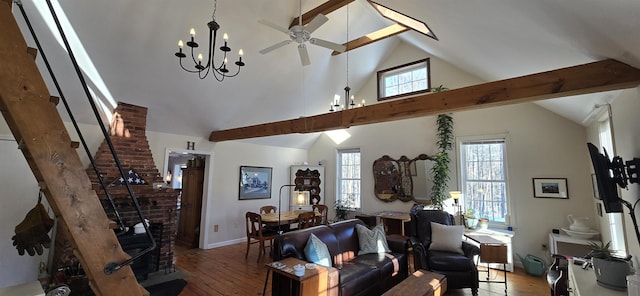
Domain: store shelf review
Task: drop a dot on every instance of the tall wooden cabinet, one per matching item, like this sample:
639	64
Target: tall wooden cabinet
308	178
190	207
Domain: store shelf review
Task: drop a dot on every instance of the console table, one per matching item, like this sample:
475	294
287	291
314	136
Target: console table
569	246
583	283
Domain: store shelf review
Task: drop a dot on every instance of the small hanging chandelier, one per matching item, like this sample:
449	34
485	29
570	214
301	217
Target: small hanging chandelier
348	99
219	72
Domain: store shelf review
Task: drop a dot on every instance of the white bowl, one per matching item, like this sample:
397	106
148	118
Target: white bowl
581	234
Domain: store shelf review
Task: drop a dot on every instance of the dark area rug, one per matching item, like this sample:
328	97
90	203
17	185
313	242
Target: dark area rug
170	288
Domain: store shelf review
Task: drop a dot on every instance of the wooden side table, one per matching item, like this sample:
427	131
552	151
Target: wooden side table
492	251
314	281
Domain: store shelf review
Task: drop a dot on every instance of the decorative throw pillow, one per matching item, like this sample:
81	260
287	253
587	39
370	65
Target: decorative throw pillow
372	240
317	252
446	238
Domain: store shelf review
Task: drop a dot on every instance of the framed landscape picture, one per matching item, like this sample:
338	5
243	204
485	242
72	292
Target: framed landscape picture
255	182
550	188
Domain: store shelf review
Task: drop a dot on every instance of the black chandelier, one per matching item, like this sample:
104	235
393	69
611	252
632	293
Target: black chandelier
219	72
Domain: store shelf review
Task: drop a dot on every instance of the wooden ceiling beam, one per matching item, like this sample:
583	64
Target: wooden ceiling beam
387	32
324	8
582	79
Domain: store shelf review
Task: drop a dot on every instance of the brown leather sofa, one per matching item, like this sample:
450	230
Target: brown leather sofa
368	274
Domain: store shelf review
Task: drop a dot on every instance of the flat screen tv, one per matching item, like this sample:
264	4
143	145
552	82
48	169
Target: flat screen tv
605	182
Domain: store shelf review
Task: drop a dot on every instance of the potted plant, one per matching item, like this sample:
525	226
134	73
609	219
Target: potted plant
611	271
483	223
341	211
440	169
470	219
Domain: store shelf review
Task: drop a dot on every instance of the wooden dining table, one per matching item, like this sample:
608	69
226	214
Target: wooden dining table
286	218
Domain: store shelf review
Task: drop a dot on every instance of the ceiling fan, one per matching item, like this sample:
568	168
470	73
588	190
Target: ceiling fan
301	34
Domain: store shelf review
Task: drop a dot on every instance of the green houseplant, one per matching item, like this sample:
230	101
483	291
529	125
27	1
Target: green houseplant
341	211
470	219
440	169
611	271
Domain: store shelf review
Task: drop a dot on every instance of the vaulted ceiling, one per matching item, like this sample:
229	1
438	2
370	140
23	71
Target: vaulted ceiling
132	45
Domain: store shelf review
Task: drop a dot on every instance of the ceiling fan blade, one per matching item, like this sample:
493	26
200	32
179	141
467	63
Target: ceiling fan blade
275	46
304	55
330	45
316	22
274	26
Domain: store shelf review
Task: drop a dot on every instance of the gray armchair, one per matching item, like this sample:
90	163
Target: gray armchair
460	269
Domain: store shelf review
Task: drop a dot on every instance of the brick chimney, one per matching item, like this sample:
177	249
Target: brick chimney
128	136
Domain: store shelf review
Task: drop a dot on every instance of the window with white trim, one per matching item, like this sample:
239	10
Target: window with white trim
348	178
614	219
483	178
407	79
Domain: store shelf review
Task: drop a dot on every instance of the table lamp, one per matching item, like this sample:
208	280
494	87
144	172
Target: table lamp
456	195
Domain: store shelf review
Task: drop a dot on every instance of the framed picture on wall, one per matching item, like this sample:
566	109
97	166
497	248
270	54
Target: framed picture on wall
550	188
255	182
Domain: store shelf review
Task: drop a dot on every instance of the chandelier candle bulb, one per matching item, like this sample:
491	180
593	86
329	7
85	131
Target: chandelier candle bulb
192	32
180	44
240	53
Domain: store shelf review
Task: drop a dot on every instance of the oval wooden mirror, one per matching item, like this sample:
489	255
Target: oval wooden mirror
402	178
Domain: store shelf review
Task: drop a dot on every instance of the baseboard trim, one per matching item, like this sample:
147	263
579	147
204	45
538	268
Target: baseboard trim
225	243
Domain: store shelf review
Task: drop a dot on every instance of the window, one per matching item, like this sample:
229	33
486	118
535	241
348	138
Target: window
408	79
349	178
484	178
614	219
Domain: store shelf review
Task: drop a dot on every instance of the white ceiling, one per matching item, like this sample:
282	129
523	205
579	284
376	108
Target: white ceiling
132	45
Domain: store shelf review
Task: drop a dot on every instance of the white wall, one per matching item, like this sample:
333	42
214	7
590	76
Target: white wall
541	145
224	207
18	195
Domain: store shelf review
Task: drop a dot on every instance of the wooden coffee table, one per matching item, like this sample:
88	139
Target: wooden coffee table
420	283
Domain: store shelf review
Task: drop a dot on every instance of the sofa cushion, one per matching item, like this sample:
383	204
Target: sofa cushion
346	234
317	252
291	244
447	261
372	240
357	278
387	264
446	238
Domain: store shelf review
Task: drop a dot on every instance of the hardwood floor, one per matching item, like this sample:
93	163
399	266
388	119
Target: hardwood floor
224	271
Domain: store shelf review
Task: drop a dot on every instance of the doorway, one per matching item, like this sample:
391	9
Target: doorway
187	171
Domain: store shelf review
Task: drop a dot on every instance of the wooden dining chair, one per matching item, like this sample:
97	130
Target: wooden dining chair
256	233
324	211
306	220
268	209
